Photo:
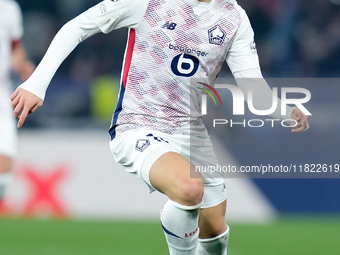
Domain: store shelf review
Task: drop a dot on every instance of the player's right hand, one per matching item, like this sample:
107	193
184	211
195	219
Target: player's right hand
301	121
24	103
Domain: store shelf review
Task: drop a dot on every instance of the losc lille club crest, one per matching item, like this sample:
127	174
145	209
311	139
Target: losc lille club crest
216	35
142	144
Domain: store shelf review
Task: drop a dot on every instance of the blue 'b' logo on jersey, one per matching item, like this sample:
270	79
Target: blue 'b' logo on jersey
184	65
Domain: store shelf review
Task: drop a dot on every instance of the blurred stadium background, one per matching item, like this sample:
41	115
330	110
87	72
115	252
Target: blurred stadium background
65	170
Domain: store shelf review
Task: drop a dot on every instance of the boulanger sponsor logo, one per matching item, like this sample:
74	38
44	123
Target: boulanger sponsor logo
186	63
187	50
238	105
216	35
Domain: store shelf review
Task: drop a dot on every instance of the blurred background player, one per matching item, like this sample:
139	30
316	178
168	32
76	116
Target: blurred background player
12	57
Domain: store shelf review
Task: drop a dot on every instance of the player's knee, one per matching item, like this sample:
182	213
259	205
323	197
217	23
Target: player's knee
191	191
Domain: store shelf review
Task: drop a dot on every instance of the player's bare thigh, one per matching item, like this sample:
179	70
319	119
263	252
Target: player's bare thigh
170	174
5	164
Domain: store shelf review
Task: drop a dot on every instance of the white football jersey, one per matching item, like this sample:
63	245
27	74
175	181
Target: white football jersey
174	44
171	44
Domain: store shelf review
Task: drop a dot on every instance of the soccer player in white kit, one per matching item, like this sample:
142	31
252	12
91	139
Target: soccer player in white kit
12	57
157	132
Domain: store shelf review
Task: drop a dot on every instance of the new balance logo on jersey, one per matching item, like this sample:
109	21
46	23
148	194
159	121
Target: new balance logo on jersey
216	35
169	25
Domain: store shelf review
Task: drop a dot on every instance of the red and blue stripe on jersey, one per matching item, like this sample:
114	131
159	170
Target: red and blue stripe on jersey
127	63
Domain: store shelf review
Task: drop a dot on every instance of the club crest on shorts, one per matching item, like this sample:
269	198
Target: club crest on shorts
216	35
142	144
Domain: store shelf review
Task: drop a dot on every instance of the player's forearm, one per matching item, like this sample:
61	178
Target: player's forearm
262	95
68	37
18	57
20	64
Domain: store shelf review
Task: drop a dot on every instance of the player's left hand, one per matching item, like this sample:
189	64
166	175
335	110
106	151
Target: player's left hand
24	103
301	121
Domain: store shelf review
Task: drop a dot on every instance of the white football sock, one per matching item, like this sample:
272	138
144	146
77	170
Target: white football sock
5	180
180	225
214	246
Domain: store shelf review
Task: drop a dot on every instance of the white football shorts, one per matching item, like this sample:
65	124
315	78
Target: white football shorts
8	130
137	151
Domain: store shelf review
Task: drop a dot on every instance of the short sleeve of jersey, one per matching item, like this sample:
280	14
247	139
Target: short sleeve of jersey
15	17
242	54
113	14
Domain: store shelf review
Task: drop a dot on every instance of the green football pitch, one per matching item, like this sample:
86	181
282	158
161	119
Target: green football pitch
302	235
